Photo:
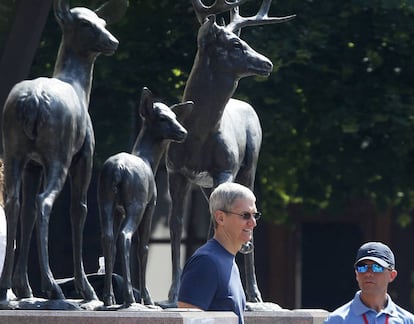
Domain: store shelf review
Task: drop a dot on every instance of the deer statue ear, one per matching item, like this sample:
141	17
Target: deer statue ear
182	109
146	104
62	11
222	22
206	31
112	10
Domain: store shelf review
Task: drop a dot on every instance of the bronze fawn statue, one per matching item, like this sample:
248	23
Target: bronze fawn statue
48	134
127	183
224	134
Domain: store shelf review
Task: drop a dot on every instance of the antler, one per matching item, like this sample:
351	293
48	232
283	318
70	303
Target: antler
202	11
237	22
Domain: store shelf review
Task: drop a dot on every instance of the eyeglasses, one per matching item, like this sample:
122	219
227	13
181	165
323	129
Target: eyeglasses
362	268
246	215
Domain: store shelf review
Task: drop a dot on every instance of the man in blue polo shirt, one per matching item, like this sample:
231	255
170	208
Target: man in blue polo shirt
374	269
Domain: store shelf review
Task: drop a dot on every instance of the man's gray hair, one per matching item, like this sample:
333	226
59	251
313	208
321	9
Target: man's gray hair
224	196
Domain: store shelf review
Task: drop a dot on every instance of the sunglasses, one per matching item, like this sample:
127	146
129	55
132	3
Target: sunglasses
246	215
362	268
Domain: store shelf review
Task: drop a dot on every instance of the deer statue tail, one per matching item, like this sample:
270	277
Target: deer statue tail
33	111
111	177
116	179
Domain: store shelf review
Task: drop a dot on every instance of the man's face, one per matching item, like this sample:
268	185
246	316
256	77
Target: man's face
238	229
374	283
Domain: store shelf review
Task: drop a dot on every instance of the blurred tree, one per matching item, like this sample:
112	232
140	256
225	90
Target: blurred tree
338	122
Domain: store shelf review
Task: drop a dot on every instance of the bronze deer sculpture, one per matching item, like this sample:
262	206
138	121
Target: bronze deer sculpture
48	134
127	184
224	134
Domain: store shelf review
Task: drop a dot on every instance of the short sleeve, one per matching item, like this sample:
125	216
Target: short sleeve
199	282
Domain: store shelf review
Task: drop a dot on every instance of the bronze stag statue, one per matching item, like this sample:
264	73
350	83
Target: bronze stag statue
224	134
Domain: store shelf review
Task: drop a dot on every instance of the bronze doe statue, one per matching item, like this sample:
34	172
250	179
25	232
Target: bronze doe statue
224	134
127	194
48	134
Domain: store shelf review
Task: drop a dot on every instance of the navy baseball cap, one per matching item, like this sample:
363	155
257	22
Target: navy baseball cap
377	252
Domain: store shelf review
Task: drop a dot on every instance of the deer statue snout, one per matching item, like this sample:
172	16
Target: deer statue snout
257	64
181	134
267	67
110	45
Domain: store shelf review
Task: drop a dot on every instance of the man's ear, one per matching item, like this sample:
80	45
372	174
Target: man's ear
394	274
219	216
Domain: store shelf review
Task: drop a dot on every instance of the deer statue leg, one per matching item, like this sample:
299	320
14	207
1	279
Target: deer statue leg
108	245
80	175
252	290
12	174
54	179
31	185
246	176
144	230
179	190
133	215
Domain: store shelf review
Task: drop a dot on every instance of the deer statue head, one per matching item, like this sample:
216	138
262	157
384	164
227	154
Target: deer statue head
160	120
227	53
84	30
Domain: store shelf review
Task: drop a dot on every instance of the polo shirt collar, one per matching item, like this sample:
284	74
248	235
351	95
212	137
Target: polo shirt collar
359	308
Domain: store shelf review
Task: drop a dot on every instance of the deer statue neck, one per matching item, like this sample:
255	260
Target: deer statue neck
148	148
76	70
207	73
205	79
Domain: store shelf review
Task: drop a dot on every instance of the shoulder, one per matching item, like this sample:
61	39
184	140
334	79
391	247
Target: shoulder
405	315
214	250
340	315
210	257
204	257
201	259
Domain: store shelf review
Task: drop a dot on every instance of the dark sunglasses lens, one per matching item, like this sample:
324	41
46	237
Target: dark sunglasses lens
247	216
377	268
362	268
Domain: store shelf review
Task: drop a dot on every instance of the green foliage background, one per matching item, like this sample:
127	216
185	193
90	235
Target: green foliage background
337	112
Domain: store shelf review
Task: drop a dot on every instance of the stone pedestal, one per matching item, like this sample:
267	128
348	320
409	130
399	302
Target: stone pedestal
159	317
115	317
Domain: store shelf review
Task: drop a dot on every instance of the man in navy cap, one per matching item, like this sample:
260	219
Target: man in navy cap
374	269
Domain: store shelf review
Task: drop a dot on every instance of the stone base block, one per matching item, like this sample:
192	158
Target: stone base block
284	316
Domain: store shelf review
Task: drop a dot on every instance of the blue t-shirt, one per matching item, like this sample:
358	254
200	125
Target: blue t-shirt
211	281
356	311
